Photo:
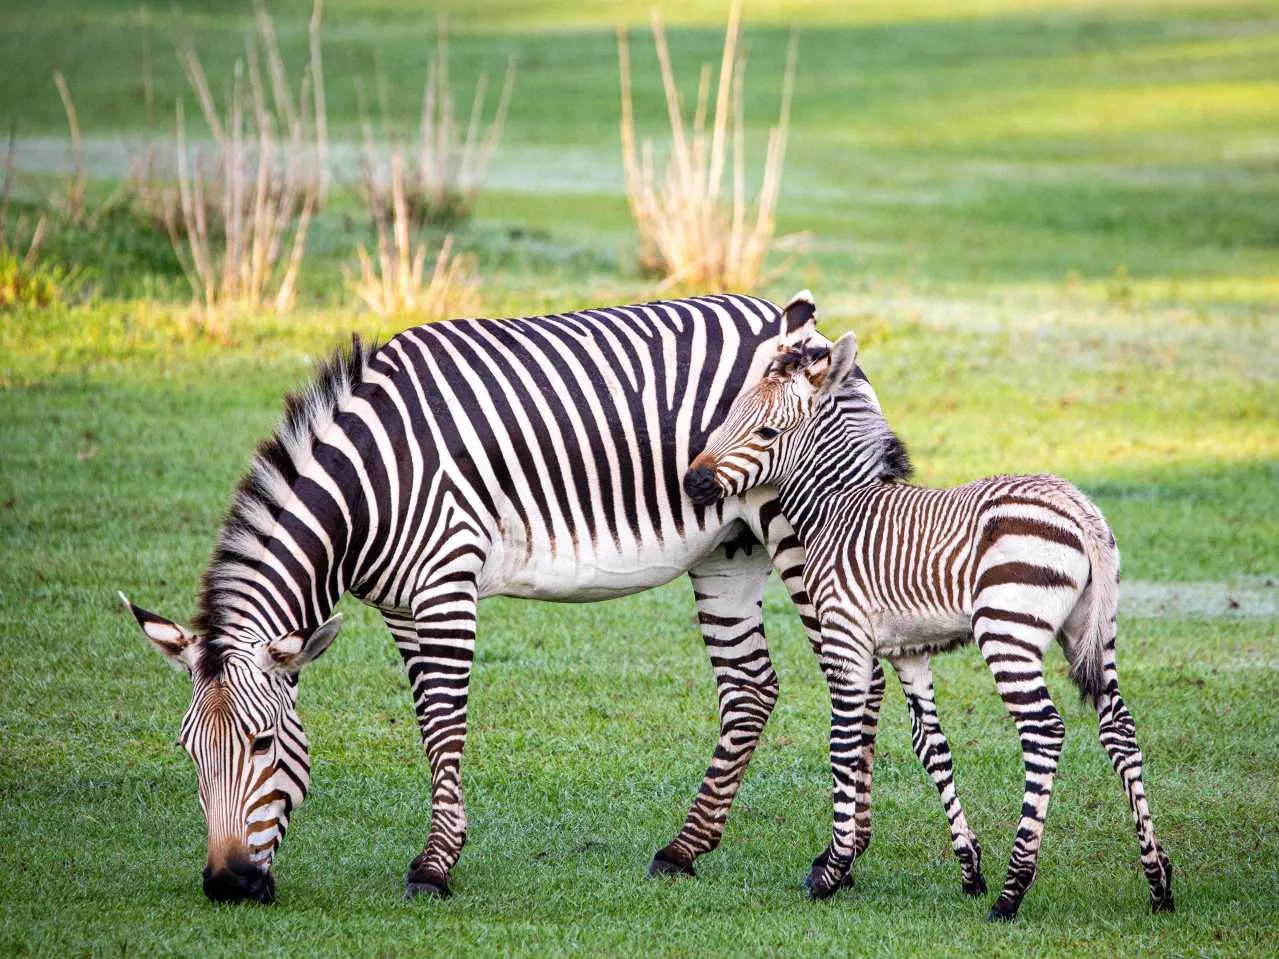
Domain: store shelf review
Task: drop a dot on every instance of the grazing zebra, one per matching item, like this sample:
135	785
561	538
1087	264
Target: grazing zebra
535	457
898	571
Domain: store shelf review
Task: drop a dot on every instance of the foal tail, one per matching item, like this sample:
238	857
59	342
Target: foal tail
1089	632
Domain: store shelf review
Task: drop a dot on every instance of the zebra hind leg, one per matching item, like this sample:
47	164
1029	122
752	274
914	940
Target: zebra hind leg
729	595
916	677
438	651
1119	738
1013	645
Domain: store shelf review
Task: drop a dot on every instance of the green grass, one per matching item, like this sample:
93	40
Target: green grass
1054	226
592	724
989	141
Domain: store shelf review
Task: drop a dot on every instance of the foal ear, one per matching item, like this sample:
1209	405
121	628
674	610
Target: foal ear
175	643
843	363
799	316
291	652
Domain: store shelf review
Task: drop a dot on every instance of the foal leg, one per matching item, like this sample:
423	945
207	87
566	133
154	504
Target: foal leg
916	676
848	665
870	728
1118	736
729	594
438	647
763	514
1013	644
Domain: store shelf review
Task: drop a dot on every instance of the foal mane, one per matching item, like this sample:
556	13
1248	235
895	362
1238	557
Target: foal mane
858	399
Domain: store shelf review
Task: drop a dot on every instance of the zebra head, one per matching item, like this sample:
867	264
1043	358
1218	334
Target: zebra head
756	442
243	732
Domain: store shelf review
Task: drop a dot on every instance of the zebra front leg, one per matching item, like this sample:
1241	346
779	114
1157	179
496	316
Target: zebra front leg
771	526
870	728
729	595
1013	643
438	650
848	672
916	676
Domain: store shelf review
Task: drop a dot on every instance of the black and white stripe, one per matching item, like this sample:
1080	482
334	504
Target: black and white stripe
538	457
899	571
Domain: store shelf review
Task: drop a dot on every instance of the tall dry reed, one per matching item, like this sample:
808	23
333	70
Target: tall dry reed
448	163
392	279
690	234
240	218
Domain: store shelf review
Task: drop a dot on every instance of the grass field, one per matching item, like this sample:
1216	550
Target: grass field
1054	226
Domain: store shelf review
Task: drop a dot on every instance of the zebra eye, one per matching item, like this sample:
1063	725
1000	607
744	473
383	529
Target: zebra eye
262	743
767	432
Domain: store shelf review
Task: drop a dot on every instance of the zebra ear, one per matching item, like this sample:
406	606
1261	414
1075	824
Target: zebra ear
290	653
799	316
175	643
843	362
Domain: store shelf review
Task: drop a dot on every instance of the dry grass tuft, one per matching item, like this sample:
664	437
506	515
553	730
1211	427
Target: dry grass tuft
392	279
448	164
25	280
74	199
146	188
239	221
689	234
22	232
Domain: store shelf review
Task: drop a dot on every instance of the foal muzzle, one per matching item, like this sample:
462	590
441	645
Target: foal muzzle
701	487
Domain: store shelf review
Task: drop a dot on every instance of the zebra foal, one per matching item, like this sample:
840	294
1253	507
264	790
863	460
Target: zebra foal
900	571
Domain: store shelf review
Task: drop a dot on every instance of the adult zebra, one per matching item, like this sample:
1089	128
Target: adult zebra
536	457
902	571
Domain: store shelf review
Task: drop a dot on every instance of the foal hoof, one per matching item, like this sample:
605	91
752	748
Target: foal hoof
1161	901
977	887
816	889
432	888
1002	911
668	863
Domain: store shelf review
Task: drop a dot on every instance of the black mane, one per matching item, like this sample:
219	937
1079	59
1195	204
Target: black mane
278	456
895	464
894	459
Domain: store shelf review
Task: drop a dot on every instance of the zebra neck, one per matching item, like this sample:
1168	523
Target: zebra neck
281	563
839	456
286	588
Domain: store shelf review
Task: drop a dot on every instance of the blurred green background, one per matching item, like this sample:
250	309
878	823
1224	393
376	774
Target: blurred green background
1055	228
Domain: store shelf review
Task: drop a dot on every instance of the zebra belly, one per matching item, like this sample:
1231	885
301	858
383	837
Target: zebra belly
921	631
589	575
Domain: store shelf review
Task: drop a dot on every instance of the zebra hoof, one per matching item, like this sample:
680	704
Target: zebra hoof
977	887
1002	911
668	863
428	888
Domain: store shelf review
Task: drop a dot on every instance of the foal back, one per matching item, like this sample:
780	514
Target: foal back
925	566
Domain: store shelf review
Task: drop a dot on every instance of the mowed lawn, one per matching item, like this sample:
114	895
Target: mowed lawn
1055	228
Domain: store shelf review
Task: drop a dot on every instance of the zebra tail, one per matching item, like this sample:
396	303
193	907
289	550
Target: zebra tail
1087	650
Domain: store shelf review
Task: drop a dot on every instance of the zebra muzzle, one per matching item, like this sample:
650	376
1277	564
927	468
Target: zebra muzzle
239	882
